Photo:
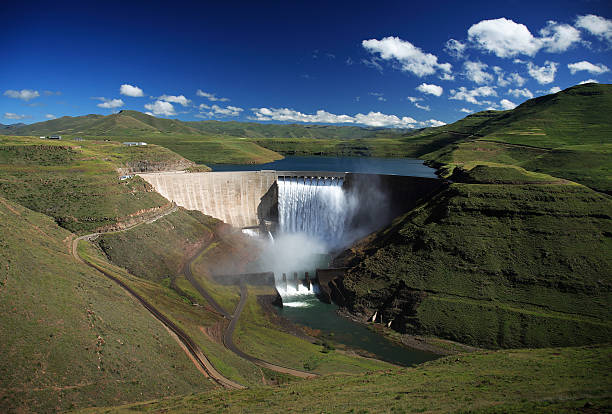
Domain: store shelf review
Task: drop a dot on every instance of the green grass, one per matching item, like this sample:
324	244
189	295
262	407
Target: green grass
77	185
162	247
257	336
65	338
493	265
518	381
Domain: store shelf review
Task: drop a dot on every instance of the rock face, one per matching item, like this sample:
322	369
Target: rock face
141	166
491	265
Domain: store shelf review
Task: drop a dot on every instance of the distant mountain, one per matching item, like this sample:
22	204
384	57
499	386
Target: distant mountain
134	124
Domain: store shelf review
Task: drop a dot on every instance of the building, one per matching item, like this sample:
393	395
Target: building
135	144
125	177
55	137
77	139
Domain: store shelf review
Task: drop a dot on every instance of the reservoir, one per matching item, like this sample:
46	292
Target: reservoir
366	165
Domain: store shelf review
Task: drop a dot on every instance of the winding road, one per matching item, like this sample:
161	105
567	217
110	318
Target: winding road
228	335
192	349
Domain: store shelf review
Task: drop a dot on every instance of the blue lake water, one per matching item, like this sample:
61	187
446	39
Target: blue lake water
371	165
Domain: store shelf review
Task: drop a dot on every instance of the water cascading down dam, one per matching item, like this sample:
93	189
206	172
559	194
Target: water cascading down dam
308	214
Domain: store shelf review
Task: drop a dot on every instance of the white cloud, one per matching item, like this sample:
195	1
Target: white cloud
131	90
543	74
414	99
411	58
504	79
446	76
210	96
379	96
506	104
558	37
465	110
588	81
504	38
109	103
589	67
180	99
51	93
423	107
50	116
374	119
24	94
160	108
373	64
596	25
517	93
430	89
554	89
464	94
475	71
11	115
217	110
455	48
432	123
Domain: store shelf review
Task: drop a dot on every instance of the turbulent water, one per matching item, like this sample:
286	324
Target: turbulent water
313	213
316	207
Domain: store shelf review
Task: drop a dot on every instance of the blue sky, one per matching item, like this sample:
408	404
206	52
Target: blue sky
394	64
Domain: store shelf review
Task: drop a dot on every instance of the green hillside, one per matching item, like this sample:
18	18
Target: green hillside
567	135
65	339
505	259
567	380
78	183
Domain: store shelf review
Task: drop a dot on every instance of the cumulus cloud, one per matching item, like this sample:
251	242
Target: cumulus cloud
50	116
475	71
588	81
131	90
430	89
11	115
414	99
543	74
374	119
216	110
506	104
180	99
160	108
558	37
455	48
471	95
109	103
24	94
517	93
432	123
588	67
210	96
506	38
465	110
504	79
597	26
503	37
411	58
554	89
423	107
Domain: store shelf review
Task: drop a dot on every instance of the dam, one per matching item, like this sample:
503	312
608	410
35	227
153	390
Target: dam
250	199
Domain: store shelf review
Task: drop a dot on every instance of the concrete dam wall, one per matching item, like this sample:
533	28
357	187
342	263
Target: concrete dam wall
229	196
244	198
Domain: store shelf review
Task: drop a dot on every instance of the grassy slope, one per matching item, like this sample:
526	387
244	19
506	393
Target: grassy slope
567	135
518	381
78	185
65	339
183	231
524	264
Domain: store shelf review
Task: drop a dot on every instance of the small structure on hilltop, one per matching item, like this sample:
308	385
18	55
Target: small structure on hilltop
55	137
135	144
125	177
77	139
